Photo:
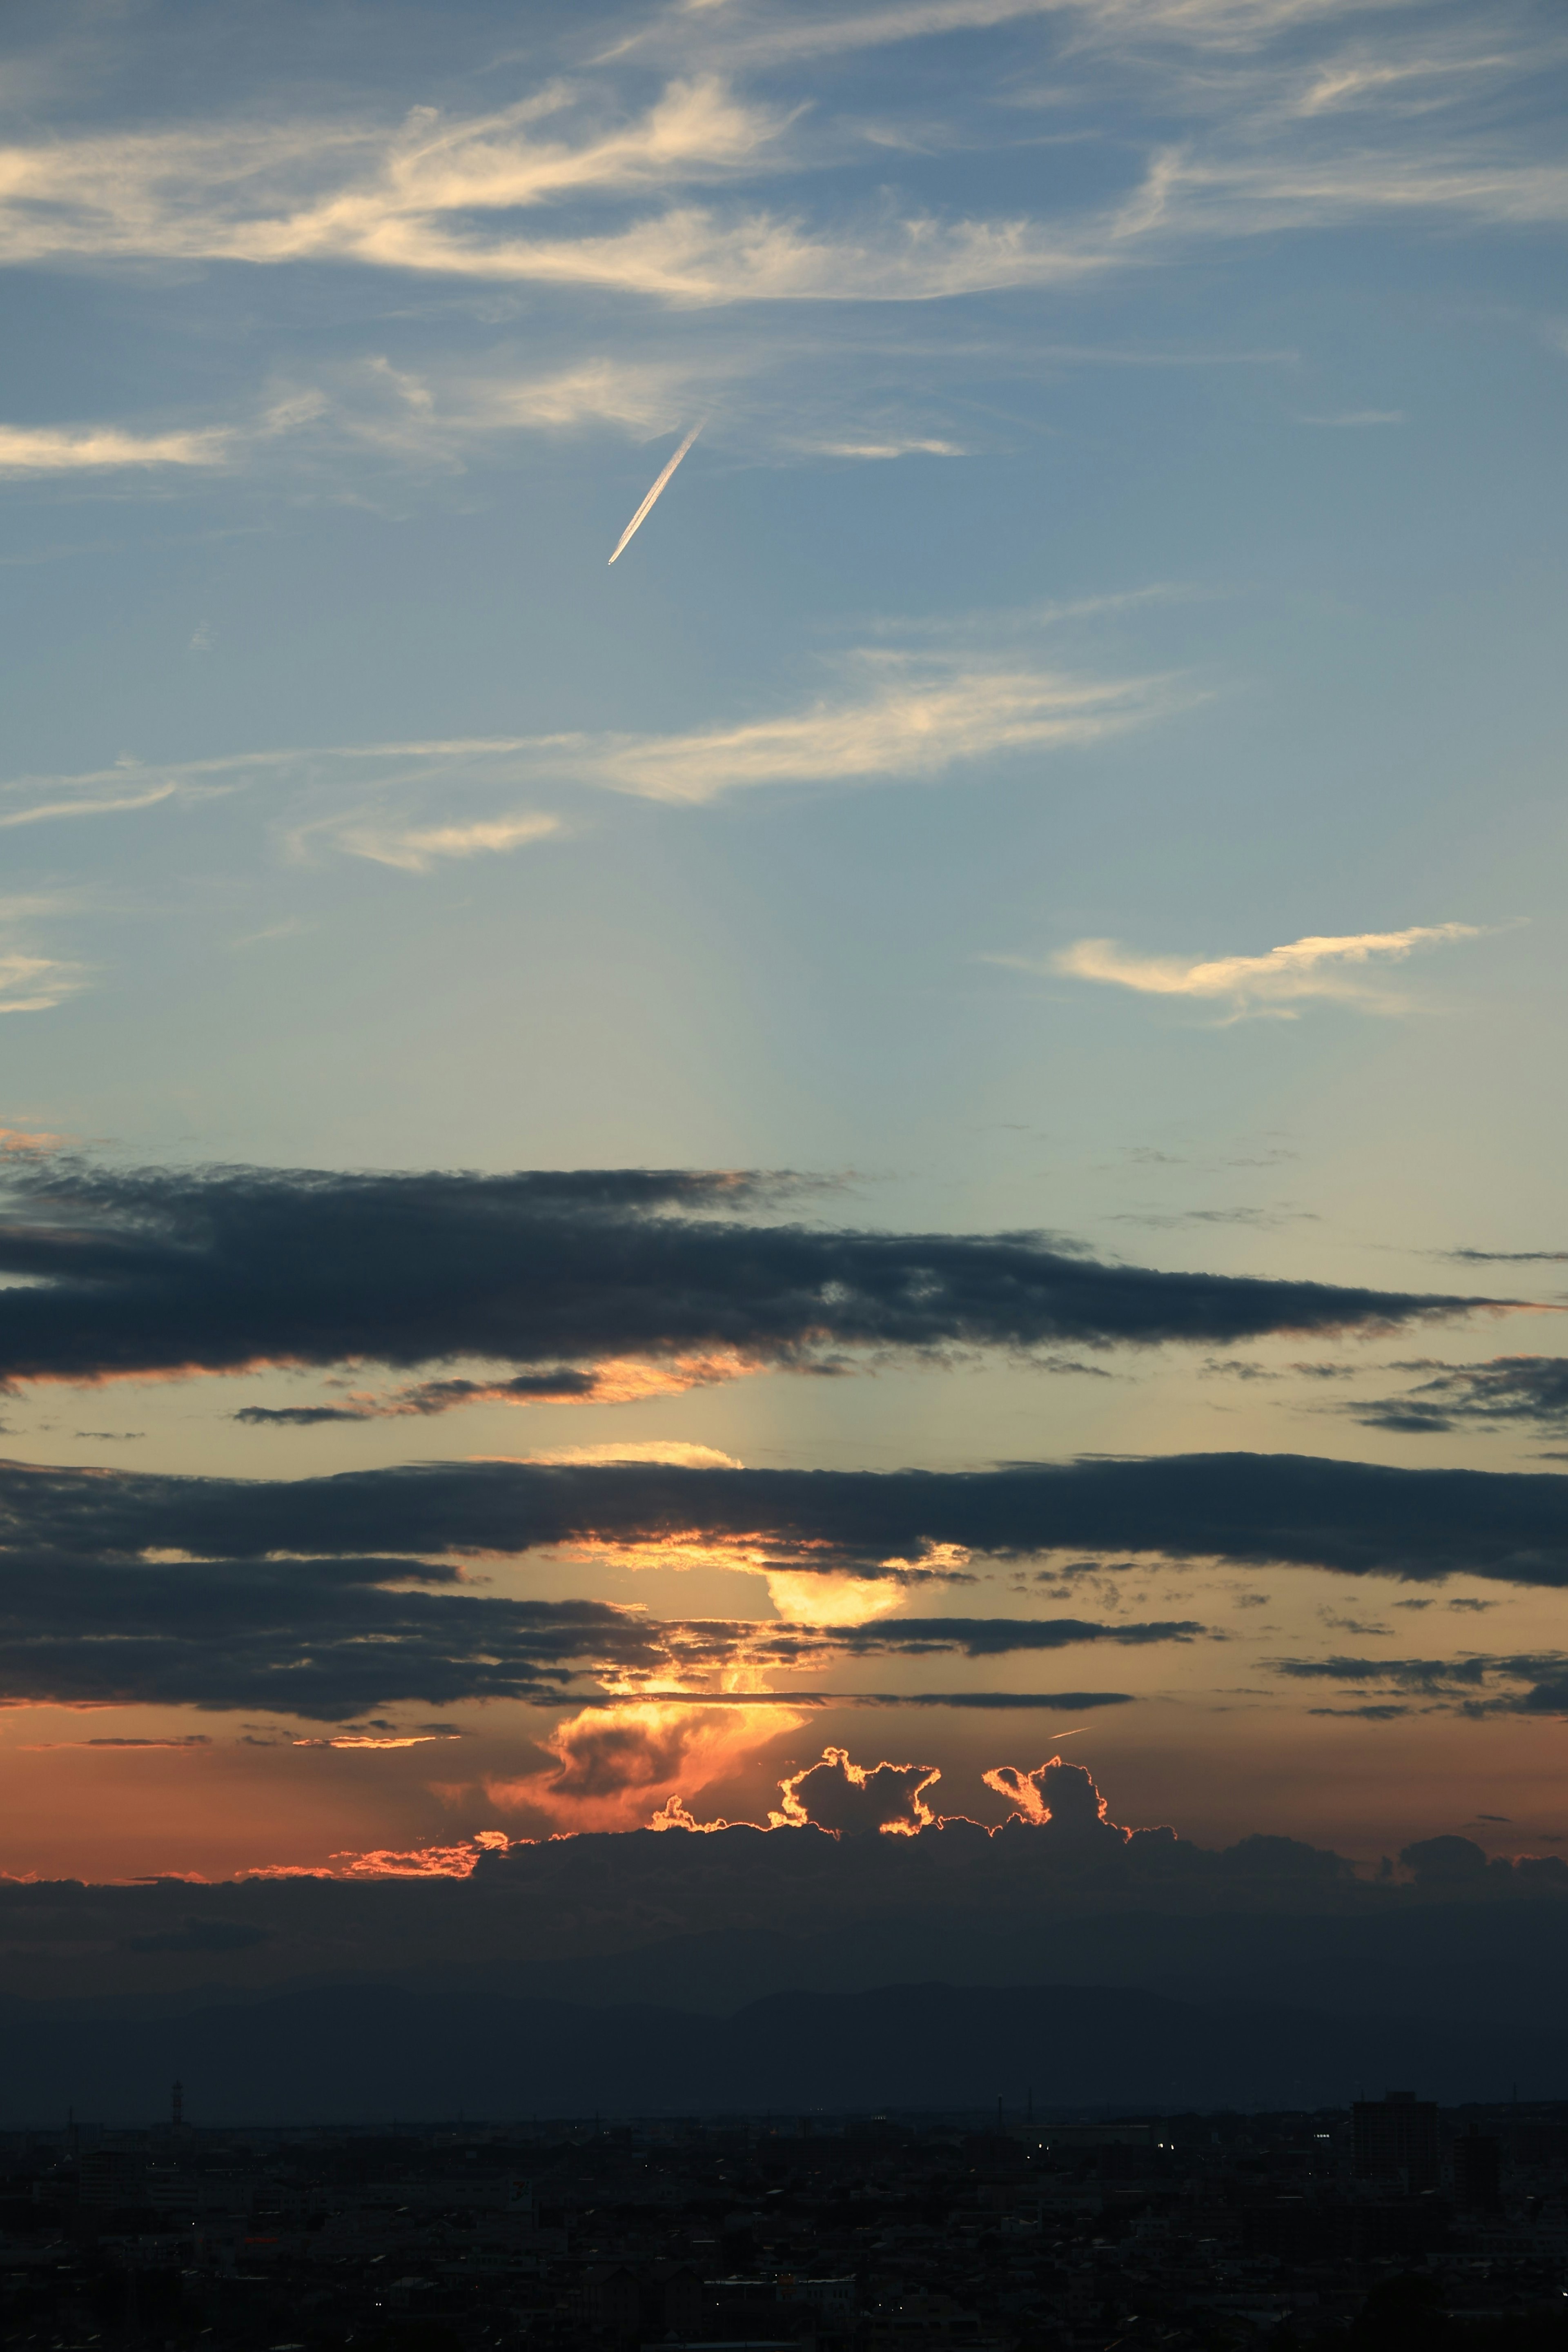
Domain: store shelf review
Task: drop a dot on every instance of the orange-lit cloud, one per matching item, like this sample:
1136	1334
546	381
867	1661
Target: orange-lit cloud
837	1795
832	1600
616	1380
1061	1797
673	1815
422	1862
616	1765
680	1450
375	1739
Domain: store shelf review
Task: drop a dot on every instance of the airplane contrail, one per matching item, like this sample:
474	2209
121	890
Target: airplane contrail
655	493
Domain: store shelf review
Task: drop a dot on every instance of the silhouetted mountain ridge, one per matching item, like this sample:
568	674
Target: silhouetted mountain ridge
370	2052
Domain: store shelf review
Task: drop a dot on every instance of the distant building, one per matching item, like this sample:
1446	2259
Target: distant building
1477	2173
1094	2135
1396	2139
111	2176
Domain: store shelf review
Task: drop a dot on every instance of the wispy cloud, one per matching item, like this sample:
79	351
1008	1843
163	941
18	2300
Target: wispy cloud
912	716
109	804
900	712
1357	416
1264	143
1344	971
46	449
762	36
313	190
30	983
416	848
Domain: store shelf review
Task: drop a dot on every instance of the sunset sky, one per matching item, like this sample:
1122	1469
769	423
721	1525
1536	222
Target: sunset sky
1008	951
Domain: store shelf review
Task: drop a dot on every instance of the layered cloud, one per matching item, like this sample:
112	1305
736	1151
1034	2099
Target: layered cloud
659	194
1354	1519
331	1637
1344	970
1511	1391
899	715
1249	1509
123	1274
327	1598
1528	1683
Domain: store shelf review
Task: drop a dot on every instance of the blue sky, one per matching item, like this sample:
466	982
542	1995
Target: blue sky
1124	540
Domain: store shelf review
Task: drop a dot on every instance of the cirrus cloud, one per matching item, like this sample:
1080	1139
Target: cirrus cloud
1342	970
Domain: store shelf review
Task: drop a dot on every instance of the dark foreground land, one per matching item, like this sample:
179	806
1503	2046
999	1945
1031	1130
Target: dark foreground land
858	2235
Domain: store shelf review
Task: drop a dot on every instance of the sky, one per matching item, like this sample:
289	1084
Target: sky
909	1115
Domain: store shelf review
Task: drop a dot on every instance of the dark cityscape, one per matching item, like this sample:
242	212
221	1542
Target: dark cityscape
1396	2223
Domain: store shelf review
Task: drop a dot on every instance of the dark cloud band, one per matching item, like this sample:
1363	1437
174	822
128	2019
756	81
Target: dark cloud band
1356	1518
330	1639
325	1597
1527	1683
160	1271
1506	1393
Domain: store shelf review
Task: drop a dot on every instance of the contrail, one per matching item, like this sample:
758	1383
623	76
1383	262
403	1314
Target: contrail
655	493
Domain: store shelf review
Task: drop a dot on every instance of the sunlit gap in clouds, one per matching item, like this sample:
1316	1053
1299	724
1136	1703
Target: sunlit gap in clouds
800	1593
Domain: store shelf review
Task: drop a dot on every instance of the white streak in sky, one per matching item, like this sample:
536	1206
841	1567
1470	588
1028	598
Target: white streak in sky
655	493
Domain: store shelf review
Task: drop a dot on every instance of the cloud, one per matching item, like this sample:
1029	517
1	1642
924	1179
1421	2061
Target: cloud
1271	984
364	1527
855	1800
1470	1685
574	187
616	1765
679	1450
132	1273
29	982
46	449
903	715
110	805
327	1598
1444	1861
1506	1257
399	197
1358	416
1506	1393
34	983
332	1635
414	849
188	1739
910	446
837	1601
437	196
915	716
1063	1800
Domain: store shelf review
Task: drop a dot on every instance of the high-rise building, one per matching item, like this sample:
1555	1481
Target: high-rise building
1396	2139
